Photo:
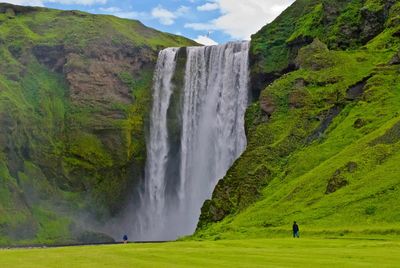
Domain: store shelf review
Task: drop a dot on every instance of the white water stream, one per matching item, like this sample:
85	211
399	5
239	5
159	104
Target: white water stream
208	115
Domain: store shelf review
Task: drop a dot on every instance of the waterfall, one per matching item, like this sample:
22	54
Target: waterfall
196	133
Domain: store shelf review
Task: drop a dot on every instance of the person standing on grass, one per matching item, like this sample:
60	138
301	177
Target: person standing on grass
296	230
125	238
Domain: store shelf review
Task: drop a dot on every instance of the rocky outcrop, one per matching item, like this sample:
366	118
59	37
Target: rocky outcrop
336	182
314	56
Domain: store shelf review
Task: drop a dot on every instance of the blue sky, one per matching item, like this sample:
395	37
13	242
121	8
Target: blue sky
206	21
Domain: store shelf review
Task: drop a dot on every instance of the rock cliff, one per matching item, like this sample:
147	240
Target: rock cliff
75	91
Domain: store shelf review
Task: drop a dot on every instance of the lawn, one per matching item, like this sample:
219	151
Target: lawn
224	253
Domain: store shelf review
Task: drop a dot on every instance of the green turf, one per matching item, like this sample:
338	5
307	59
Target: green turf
239	253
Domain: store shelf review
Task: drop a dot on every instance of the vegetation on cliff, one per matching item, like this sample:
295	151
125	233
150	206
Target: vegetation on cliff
74	98
324	137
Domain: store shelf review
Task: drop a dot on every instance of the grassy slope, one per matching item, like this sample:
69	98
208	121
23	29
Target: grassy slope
286	169
51	157
245	253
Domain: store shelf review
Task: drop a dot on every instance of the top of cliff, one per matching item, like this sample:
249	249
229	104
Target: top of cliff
77	28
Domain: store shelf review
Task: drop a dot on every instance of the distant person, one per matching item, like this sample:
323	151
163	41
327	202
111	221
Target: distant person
125	239
296	230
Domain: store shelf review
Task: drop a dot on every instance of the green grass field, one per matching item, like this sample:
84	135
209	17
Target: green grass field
228	253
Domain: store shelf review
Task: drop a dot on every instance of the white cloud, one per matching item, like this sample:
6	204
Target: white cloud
182	11
240	19
208	7
167	17
66	2
205	40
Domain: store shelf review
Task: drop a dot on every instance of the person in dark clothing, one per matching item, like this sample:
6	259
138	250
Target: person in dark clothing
125	239
296	230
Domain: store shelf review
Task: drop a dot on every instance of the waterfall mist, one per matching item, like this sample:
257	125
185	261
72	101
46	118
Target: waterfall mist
196	133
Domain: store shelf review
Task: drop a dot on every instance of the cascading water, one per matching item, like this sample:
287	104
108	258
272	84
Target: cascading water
196	133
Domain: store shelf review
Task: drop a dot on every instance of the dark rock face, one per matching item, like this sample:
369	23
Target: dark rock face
54	57
331	11
17	10
93	74
372	25
336	182
356	91
95	87
327	119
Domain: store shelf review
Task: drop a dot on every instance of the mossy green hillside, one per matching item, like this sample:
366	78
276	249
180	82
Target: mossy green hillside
75	93
323	148
344	24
